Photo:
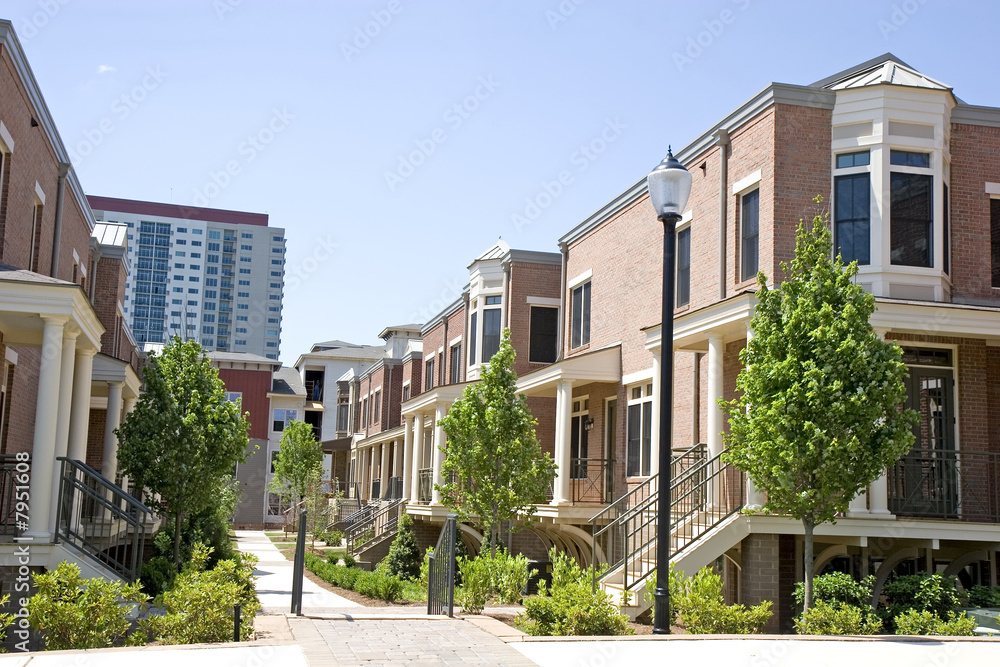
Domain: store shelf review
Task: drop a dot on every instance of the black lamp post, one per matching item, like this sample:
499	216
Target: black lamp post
669	187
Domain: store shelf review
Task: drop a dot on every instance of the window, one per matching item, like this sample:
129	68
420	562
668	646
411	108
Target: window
246	235
364	412
183	230
194	267
684	266
217	235
639	432
378	403
277	238
472	340
243	295
194	279
195	255
199	232
911	218
342	412
456	364
947	235
276	262
544	323
995	239
244	271
244	283
181	242
208	330
429	375
860	159
244	246
852	217
214	247
406	393
197	243
212	270
275	274
579	438
246	259
36	237
580	309
277	250
208	317
908	159
749	234
491	332
233	396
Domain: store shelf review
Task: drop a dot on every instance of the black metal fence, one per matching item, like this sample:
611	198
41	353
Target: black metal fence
946	484
441	570
13	473
100	520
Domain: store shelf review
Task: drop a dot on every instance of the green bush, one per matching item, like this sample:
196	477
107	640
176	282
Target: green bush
702	610
403	560
571	606
984	596
477	586
837	618
501	576
674	585
378	584
199	607
5	621
915	622
332	538
922	592
425	567
838	587
509	576
349	561
71	612
158	574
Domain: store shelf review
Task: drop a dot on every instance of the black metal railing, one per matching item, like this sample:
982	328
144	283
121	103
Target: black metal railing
381	525
441	570
376	489
589	480
14	477
100	520
625	533
946	484
395	488
426	477
345	509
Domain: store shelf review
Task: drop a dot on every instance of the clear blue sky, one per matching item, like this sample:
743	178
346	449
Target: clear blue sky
312	116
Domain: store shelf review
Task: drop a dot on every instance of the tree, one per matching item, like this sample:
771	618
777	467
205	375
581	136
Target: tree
183	440
299	464
820	413
499	468
404	556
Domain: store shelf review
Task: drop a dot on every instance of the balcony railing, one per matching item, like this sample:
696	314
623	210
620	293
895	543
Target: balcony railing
591	480
13	474
946	484
426	484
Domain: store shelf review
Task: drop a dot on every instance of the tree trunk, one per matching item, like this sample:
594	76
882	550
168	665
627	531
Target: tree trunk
807	558
177	541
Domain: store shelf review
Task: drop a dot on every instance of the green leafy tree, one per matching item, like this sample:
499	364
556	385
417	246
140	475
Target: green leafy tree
183	439
819	414
404	556
499	468
299	464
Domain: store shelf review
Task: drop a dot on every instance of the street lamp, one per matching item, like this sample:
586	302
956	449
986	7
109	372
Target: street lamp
669	187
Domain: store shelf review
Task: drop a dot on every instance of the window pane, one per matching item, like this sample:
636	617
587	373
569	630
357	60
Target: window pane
472	340
544	322
456	364
852	218
647	435
946	235
908	159
750	217
995	239
491	333
632	450
585	327
576	307
684	266
911	218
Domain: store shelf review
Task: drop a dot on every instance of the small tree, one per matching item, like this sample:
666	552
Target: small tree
299	464
184	438
404	556
499	468
819	417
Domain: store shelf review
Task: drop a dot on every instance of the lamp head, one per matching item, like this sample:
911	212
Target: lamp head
669	186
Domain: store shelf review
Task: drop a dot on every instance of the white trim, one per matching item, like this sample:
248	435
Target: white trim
455	341
8	141
744	184
638	376
993	188
40	193
430	355
580	279
543	301
10	355
689	215
406	383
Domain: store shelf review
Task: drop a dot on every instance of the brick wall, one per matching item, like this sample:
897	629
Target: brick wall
761	574
433	340
456	328
109	292
528	279
24	394
95	438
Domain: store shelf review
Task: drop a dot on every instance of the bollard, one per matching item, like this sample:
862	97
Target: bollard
236	622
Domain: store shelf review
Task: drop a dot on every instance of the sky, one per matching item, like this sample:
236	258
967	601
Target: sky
396	140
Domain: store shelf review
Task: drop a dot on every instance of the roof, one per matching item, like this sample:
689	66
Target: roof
137	207
330	344
14	274
413	329
287	381
497	251
363	352
111	233
889	71
240	358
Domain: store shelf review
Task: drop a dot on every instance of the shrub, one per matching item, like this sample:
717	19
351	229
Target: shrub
332	538
403	560
477	585
199	607
922	592
5	621
509	576
571	606
674	584
701	608
984	596
71	612
349	561
915	622
378	584
838	587
837	618
425	567
158	574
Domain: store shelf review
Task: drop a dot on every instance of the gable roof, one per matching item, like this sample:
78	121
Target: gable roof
288	382
885	69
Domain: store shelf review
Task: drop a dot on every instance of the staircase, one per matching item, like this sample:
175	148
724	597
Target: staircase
372	532
706	495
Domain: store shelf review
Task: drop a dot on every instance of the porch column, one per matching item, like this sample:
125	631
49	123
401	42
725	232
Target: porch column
716	358
438	453
80	419
43	452
408	467
878	491
109	466
64	406
129	406
654	463
755	498
859	504
370	471
383	470
418	457
564	423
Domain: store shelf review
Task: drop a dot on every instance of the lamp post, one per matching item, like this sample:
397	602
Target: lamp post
669	186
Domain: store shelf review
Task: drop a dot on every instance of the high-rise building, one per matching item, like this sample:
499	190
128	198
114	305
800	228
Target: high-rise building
211	275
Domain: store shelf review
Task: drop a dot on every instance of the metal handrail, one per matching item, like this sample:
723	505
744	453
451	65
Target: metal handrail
426	488
382	524
99	519
946	484
13	474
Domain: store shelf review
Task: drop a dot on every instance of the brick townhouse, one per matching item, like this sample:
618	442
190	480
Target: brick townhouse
70	363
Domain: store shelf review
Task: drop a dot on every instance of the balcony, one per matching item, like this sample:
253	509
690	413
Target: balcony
946	484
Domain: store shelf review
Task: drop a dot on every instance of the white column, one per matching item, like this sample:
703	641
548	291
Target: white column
109	466
370	470
564	423
755	498
64	406
129	406
438	458
43	453
80	419
858	505
716	356
878	491
418	456
383	485
407	472
397	458
654	463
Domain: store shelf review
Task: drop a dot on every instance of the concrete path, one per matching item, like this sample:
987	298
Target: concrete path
274	579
